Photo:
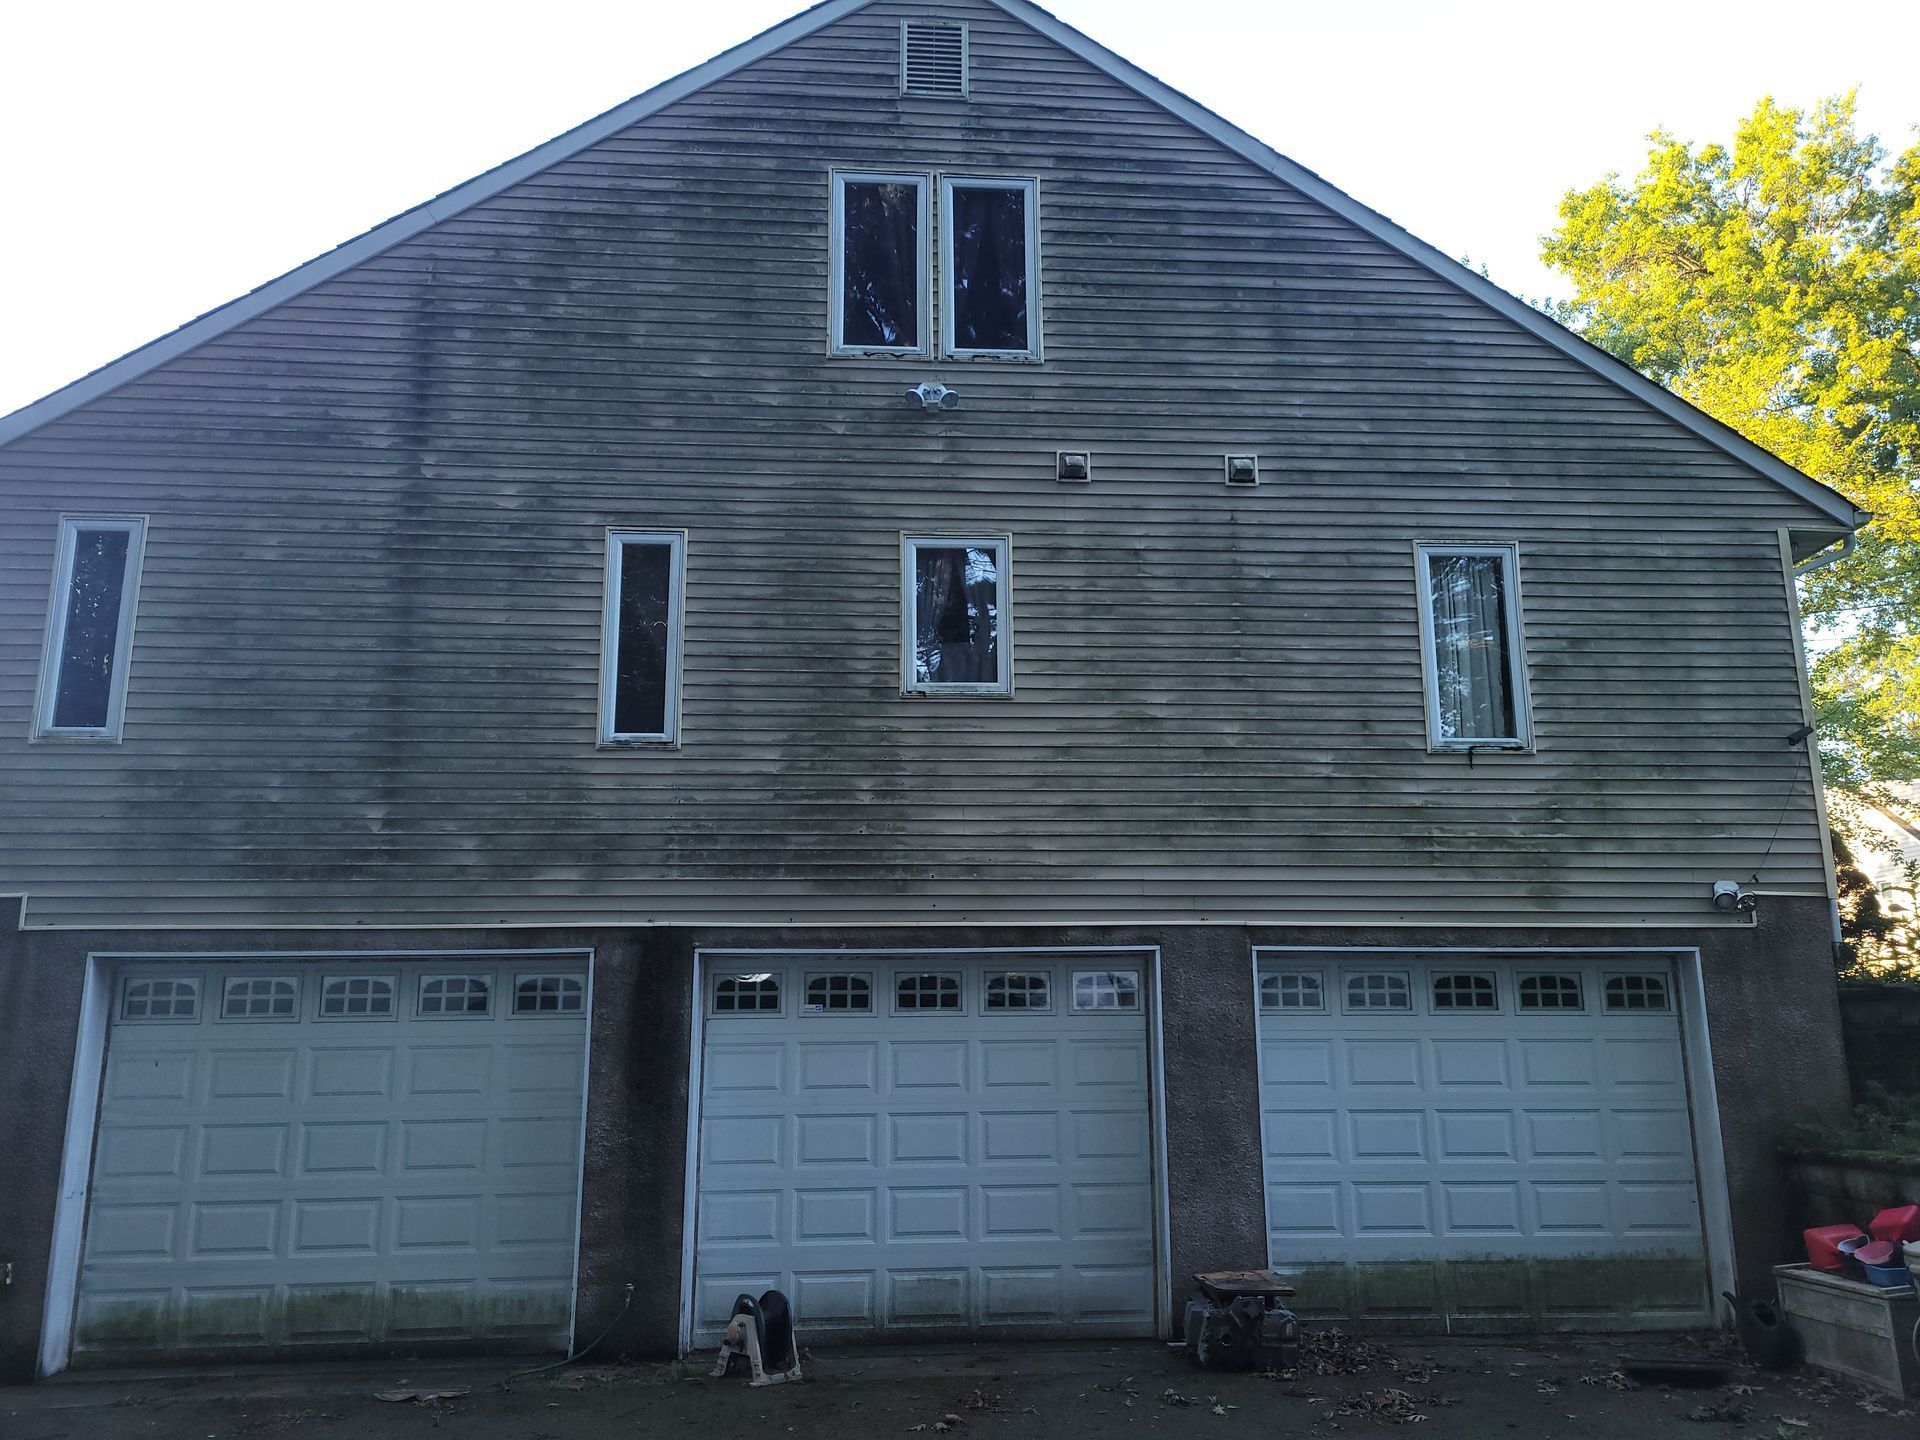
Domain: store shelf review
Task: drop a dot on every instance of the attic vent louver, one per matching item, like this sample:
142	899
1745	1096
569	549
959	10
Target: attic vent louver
933	57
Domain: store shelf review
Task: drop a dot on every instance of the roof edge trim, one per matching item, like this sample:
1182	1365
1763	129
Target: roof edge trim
408	223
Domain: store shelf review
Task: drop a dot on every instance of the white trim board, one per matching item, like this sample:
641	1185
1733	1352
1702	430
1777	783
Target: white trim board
1841	512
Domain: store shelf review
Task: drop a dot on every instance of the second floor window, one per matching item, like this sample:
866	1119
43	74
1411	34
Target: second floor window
879	264
83	674
640	638
990	277
955	616
1470	625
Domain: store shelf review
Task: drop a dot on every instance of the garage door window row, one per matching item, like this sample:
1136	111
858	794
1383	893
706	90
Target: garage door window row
1393	991
848	993
280	998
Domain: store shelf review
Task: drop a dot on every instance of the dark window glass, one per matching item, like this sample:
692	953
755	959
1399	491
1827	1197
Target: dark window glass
92	632
956	615
645	639
880	270
1473	671
989	269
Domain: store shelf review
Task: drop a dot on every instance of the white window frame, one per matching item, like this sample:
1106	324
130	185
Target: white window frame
1580	988
134	977
420	1011
826	1012
1450	972
1002	547
617	539
54	644
1045	976
396	996
1407	988
950	183
837	260
514	1012
292	1017
781	990
1278	974
1509	557
1130	987
894	977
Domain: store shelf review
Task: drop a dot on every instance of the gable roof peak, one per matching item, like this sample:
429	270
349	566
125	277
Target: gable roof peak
1843	514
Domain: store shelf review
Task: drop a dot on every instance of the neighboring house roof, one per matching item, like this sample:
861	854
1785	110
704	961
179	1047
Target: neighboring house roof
1831	503
1895	818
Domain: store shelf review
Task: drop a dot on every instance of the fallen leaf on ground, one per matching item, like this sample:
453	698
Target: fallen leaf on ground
1730	1412
1389	1407
426	1396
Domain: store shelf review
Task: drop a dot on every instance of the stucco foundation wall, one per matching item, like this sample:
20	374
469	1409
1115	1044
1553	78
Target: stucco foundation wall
40	983
1770	992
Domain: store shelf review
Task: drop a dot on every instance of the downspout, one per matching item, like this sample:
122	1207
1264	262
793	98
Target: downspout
1848	545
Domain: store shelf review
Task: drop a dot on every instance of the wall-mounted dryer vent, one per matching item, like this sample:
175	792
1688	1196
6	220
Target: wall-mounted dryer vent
1243	470
933	57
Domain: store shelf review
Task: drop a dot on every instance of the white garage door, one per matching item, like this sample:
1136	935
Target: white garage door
1470	1143
333	1154
927	1143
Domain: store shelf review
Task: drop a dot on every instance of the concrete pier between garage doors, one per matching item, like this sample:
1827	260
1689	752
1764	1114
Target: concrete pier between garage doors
1768	990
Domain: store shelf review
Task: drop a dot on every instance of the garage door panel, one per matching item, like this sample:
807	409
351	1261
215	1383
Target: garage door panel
237	1077
839	1067
1558	1142
464	1070
163	1079
141	1152
928	1065
935	1139
356	1073
302	1180
921	1213
926	1170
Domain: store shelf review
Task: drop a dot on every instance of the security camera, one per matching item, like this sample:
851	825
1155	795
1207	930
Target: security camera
933	396
1728	896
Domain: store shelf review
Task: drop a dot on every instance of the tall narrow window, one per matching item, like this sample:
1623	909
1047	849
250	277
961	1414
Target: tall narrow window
1470	625
640	642
990	275
955	616
83	675
879	264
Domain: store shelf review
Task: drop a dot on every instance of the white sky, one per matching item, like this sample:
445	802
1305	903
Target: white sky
157	159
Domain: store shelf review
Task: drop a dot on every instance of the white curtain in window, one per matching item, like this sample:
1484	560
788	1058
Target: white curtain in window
1470	656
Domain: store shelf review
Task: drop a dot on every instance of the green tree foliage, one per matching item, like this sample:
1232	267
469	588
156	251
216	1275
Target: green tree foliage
1775	283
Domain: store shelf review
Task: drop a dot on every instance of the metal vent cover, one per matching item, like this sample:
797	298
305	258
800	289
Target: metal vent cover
933	57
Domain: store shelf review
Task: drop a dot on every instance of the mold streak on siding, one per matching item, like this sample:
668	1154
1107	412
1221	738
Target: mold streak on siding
364	686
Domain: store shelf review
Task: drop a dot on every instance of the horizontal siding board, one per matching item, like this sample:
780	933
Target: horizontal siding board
365	677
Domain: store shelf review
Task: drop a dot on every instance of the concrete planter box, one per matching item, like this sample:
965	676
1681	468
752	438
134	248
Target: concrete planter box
1852	1327
1835	1187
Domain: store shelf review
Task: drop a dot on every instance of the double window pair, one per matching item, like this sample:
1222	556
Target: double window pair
953	626
884	267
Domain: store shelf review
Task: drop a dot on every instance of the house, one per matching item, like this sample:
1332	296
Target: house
910	669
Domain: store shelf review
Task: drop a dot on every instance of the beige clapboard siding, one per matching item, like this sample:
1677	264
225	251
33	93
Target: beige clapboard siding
365	676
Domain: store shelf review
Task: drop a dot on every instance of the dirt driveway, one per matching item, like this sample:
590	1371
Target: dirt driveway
1532	1391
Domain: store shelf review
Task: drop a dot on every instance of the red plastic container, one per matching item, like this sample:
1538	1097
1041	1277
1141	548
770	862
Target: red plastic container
1900	1223
1823	1242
